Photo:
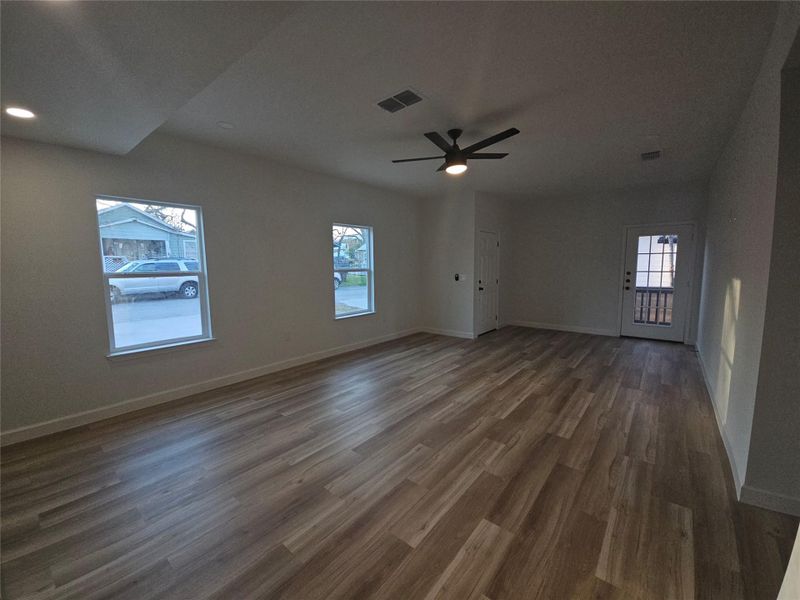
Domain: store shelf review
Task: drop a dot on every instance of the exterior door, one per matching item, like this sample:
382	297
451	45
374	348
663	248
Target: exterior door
656	285
487	282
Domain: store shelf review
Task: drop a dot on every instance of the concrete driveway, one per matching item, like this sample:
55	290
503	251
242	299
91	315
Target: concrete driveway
353	296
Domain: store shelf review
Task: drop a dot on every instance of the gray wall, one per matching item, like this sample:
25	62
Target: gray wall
774	460
737	252
566	253
447	229
267	231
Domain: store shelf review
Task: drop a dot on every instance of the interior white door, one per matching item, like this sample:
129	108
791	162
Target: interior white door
488	282
657	281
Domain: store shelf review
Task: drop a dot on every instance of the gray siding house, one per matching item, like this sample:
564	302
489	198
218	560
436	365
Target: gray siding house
127	233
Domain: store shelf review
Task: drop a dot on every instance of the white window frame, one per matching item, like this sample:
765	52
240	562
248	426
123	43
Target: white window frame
370	274
201	274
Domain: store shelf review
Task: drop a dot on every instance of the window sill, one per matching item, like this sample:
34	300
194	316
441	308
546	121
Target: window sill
360	314
138	352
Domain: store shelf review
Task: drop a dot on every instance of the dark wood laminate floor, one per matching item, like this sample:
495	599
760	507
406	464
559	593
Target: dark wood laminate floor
527	464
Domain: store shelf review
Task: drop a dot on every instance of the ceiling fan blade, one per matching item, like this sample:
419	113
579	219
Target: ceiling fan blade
491	140
442	168
439	141
416	159
488	155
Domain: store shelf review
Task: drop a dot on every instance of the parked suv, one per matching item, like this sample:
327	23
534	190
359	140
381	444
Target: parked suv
342	263
185	286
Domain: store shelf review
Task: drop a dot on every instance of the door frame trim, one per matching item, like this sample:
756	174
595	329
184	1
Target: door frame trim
691	275
476	302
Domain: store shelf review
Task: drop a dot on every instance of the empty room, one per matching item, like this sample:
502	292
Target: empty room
552	352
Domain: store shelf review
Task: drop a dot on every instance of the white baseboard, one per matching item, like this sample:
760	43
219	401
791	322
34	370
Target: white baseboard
449	332
561	327
29	432
737	483
770	500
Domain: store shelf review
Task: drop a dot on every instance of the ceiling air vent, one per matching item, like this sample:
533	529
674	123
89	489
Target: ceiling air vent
399	101
407	97
654	155
391	105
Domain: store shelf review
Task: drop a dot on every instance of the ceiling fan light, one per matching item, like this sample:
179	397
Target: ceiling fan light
456	166
20	113
456	169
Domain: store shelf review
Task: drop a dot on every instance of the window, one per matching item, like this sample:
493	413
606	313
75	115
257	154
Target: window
352	270
167	266
145	268
156	296
190	249
655	279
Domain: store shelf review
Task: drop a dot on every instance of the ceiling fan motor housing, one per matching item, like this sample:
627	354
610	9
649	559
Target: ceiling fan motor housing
454	134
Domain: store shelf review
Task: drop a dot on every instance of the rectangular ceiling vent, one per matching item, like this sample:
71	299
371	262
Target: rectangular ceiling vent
399	101
654	155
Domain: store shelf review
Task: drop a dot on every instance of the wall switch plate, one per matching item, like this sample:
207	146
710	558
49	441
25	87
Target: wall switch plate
458	276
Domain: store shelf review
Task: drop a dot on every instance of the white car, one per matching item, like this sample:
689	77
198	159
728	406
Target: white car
185	286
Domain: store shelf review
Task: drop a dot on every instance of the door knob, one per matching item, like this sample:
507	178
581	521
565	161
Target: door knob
480	289
627	287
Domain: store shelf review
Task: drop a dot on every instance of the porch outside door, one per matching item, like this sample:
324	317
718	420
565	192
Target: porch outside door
487	282
657	280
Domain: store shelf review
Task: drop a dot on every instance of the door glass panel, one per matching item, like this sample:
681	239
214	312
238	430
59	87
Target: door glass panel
655	279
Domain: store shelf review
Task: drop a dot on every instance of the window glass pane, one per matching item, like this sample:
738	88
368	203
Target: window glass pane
145	268
189	248
153	310
139	238
352	293
655	274
656	244
351	247
167	266
656	262
139	230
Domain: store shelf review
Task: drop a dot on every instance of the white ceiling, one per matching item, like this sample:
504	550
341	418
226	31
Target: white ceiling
590	85
104	75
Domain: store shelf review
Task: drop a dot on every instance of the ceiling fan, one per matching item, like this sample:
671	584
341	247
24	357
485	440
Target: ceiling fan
455	158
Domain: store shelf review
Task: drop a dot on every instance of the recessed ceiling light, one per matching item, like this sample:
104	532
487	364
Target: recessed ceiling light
224	125
20	113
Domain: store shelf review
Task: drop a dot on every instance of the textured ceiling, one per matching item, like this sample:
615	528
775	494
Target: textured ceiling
590	85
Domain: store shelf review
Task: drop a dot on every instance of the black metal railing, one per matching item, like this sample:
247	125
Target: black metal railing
653	306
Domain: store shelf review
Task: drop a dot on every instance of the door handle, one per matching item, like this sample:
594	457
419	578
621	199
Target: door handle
480	289
627	287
